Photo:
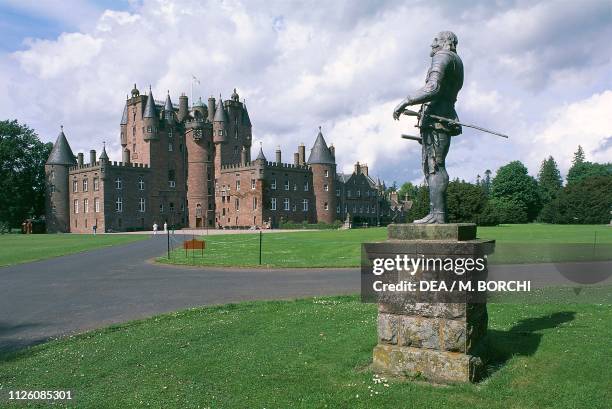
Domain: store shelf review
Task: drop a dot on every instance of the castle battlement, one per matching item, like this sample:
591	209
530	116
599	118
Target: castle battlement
238	166
87	166
286	166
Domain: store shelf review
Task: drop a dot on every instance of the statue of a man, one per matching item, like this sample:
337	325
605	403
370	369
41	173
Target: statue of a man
438	96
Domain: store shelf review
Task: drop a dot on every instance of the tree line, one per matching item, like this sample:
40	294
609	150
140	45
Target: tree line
514	196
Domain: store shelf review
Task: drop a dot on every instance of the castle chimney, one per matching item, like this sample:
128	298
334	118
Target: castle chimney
183	107
302	153
357	168
296	159
243	156
278	155
211	109
364	169
126	155
332	149
92	157
80	159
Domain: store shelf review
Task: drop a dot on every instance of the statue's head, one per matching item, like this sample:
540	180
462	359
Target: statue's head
445	40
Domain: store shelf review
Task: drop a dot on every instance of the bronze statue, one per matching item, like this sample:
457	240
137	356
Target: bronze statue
438	96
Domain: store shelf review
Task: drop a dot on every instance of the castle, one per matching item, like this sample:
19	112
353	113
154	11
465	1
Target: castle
193	168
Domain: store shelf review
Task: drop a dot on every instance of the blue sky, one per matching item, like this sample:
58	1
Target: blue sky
538	71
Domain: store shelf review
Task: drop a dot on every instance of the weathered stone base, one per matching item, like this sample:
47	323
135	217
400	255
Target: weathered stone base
435	366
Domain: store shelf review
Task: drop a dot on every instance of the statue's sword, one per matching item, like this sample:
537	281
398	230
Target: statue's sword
448	121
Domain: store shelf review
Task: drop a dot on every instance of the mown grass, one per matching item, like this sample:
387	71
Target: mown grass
526	243
314	353
22	248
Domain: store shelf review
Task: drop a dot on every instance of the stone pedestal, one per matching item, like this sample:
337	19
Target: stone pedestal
420	338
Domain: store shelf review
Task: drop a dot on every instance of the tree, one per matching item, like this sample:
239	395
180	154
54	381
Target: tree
420	204
486	183
518	190
465	201
407	189
578	156
587	201
549	186
22	173
583	170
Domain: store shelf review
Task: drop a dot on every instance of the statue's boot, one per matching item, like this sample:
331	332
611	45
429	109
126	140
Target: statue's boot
438	218
425	220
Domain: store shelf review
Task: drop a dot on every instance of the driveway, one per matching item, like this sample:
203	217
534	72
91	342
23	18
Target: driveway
93	289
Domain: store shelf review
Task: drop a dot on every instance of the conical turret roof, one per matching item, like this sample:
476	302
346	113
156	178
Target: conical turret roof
124	117
246	120
104	155
61	154
168	109
320	153
220	113
150	111
260	155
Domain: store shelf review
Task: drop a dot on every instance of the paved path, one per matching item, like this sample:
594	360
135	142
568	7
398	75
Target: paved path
74	293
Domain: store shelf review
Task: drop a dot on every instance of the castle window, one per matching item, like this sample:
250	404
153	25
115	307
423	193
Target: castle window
358	193
170	133
96	183
273	204
141	205
52	188
170	147
85	185
171	207
338	192
133	131
253	183
287	184
149	129
86	205
286	203
273	184
237	185
235	150
326	188
325	206
305	205
348	193
237	204
295	186
254	203
306	186
161	207
172	183
373	209
171	178
141	183
367	209
327	173
208	173
199	210
345	208
118	183
354	209
338	209
236	134
119	204
76	206
220	133
75	186
96	205
293	207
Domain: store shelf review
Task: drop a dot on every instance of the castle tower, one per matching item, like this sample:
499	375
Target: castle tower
183	111
150	119
57	198
123	125
220	124
200	169
323	166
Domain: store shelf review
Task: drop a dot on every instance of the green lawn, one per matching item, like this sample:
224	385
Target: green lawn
526	243
21	248
314	353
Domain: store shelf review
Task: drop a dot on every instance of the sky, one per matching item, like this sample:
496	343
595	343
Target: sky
540	72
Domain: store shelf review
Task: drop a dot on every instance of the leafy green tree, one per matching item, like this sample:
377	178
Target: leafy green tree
518	190
587	201
420	204
549	186
486	182
464	201
407	189
583	170
578	156
22	173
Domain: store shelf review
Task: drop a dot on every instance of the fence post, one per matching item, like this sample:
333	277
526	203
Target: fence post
168	238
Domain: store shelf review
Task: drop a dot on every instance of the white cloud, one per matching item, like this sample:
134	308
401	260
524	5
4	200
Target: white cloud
341	64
